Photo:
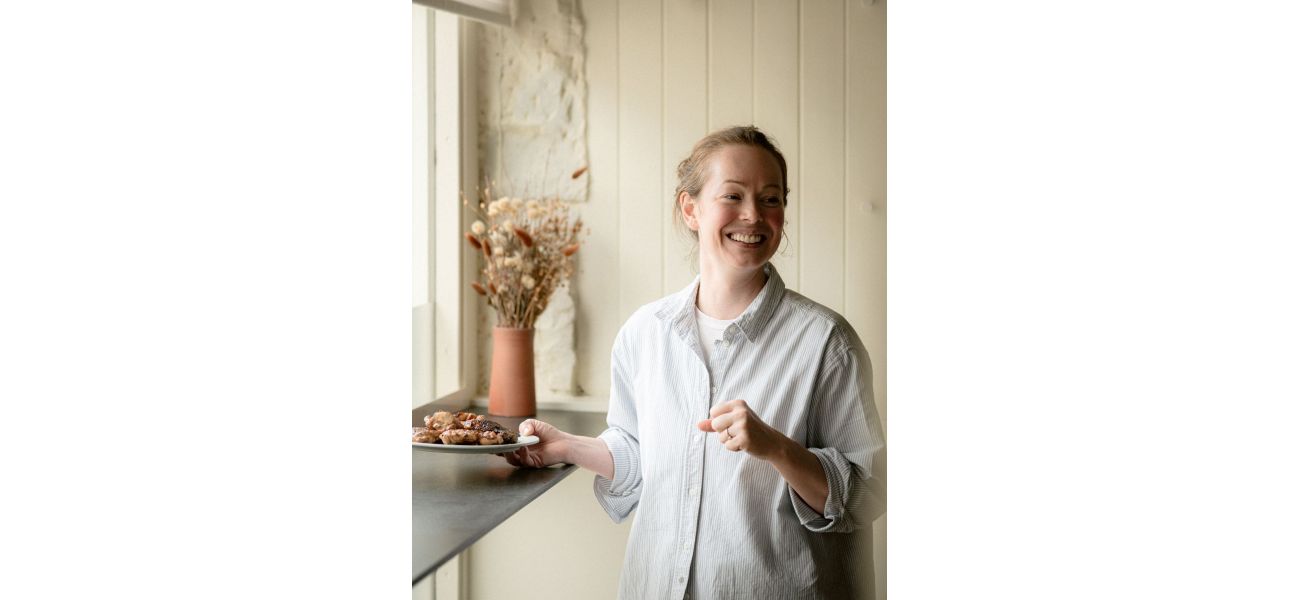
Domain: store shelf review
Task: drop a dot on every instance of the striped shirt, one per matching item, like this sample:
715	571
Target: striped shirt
716	524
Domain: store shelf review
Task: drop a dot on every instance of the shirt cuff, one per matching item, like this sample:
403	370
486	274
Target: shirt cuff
626	467
829	518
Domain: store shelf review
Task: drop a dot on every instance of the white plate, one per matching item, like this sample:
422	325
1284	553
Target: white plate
524	440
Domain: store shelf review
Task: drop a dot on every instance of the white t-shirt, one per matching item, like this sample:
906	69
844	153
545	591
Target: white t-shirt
711	330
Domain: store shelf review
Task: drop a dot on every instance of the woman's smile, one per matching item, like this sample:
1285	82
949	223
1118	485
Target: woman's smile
748	240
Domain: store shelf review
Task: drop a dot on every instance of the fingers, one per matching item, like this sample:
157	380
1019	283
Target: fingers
510	458
725	421
721	408
728	406
727	413
731	420
541	429
735	443
521	458
527	457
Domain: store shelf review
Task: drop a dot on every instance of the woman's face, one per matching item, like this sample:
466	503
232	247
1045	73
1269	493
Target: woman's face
740	211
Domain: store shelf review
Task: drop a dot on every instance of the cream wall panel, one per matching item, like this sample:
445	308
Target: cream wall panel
598	313
776	107
864	210
640	154
562	546
685	121
423	590
821	112
731	63
864	206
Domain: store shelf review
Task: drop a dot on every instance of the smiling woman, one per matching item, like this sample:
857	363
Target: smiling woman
770	389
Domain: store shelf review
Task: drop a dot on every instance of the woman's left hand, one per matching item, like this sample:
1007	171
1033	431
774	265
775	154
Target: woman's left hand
739	428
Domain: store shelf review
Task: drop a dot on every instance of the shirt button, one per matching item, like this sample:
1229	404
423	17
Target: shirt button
726	342
714	390
681	580
694	491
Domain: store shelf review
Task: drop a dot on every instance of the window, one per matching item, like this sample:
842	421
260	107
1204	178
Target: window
443	313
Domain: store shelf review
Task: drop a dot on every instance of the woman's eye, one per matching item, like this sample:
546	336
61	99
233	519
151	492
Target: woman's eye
731	196
773	201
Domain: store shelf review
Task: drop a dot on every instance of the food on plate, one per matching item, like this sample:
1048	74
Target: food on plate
462	429
424	436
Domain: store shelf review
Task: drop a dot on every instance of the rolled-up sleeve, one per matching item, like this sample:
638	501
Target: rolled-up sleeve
846	437
620	495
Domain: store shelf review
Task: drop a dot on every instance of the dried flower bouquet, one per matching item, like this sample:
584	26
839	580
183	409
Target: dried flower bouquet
528	248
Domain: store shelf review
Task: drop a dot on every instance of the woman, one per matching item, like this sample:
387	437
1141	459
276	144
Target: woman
741	421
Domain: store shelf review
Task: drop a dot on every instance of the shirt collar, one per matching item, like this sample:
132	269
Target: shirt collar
679	311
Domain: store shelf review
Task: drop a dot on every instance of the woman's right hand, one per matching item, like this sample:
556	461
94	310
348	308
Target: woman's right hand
551	450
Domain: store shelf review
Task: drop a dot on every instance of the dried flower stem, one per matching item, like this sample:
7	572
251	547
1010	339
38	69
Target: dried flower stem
527	251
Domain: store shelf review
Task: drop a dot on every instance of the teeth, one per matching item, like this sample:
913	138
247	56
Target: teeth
744	238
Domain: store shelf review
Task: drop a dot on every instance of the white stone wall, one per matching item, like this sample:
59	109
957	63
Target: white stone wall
533	109
532	137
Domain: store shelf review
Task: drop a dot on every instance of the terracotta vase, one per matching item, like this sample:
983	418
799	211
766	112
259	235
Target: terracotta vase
512	392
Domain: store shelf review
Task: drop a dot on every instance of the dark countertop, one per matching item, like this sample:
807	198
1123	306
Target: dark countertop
458	498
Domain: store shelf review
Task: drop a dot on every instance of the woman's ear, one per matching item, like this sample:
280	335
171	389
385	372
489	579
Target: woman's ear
687	205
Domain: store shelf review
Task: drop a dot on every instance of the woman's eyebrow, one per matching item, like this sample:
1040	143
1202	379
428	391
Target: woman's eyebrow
770	185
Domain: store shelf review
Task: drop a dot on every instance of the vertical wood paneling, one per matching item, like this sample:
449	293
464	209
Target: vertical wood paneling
640	153
821	112
685	122
864	214
597	292
864	209
776	107
731	63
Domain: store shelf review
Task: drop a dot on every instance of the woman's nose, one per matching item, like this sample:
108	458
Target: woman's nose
748	212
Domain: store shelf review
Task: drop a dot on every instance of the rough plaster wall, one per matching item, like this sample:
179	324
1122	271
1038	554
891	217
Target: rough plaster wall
533	109
553	342
532	136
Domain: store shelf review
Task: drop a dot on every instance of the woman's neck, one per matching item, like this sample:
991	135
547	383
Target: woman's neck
726	294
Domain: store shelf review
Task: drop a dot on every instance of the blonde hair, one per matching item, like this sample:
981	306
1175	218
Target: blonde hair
691	173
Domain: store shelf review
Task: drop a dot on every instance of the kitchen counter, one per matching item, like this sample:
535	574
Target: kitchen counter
459	498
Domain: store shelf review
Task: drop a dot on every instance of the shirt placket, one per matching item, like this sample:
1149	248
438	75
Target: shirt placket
686	537
713	386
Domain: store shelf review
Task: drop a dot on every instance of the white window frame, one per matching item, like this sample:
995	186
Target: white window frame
445	152
496	12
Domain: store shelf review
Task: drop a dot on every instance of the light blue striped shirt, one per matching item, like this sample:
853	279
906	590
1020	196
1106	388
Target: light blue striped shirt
717	524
